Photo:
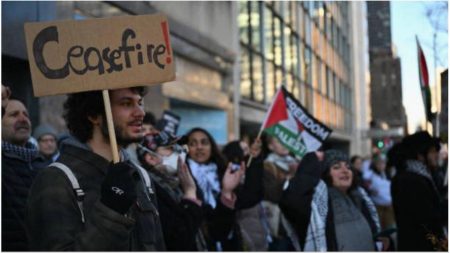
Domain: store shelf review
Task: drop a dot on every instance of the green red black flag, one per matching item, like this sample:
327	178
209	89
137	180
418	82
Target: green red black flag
293	126
424	83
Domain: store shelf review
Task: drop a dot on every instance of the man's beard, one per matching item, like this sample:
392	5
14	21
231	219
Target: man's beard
121	140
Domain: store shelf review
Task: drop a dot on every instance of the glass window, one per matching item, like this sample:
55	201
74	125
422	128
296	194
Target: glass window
302	94
258	85
278	77
287	48
295	63
338	91
277	6
332	32
318	9
290	82
294	15
308	30
319	74
308	70
301	60
271	84
309	8
301	23
245	73
308	99
277	41
255	25
287	12
268	33
332	87
243	20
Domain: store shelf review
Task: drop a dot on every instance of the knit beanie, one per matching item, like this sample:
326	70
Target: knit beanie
42	130
332	157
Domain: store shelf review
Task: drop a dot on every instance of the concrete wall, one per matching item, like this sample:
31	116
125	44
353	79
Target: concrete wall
212	19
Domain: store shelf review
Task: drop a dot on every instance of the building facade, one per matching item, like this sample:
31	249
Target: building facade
230	58
311	48
387	111
204	40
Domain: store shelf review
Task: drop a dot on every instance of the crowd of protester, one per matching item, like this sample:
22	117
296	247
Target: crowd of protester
187	193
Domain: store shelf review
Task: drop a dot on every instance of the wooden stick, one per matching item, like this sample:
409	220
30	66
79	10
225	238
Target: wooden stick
251	157
264	122
111	132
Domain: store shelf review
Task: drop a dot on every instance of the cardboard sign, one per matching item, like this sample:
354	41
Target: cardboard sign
169	122
98	54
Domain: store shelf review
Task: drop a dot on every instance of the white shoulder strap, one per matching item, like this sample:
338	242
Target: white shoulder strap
75	185
144	176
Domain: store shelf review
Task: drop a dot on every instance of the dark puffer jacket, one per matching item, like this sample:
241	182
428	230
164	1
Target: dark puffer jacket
17	176
55	219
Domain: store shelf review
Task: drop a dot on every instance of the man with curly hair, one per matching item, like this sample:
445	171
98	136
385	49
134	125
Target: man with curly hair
118	210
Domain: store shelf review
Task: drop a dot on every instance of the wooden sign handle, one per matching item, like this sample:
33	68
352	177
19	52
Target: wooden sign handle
111	132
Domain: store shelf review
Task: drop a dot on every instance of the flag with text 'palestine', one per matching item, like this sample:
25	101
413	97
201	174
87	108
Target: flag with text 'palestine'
424	85
293	126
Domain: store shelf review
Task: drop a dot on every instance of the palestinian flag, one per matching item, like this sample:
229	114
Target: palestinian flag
289	122
424	85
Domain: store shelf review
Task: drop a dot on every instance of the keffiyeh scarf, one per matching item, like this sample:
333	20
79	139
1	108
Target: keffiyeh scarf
27	153
207	179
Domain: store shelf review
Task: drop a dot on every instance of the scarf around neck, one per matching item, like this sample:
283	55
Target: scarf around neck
207	179
280	161
26	153
420	169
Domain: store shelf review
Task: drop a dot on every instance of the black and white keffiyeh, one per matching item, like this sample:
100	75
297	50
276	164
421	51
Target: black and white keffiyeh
26	153
315	237
420	169
207	179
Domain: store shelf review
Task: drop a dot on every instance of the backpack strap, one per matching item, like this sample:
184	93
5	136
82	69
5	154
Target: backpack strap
144	175
79	193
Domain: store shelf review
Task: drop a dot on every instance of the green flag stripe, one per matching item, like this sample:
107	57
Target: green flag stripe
292	141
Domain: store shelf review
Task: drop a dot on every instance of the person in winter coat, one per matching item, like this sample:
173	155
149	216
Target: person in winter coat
215	183
379	188
249	195
118	210
18	171
46	138
279	167
180	210
326	209
419	210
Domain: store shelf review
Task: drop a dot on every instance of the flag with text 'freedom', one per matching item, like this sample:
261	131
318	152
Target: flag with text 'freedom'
289	122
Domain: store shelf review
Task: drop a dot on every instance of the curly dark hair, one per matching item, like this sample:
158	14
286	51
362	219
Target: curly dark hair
79	106
216	156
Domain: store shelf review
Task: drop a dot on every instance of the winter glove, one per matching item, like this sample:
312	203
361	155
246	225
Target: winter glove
119	187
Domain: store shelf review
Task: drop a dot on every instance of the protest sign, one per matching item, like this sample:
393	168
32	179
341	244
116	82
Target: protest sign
169	122
98	54
293	126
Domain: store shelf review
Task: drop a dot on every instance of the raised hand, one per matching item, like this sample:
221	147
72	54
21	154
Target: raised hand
232	179
186	180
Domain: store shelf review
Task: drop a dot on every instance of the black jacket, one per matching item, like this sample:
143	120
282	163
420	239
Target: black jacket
296	202
180	218
17	176
418	211
55	219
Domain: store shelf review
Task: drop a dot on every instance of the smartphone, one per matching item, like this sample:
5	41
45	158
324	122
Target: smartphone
235	167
